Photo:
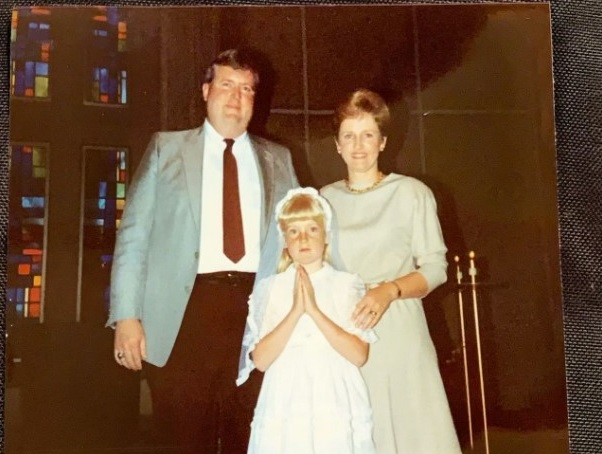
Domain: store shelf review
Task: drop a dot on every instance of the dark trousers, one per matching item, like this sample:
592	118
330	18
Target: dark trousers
196	403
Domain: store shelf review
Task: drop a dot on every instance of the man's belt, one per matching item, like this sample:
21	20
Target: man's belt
226	277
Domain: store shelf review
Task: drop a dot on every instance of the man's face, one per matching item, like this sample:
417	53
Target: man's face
229	100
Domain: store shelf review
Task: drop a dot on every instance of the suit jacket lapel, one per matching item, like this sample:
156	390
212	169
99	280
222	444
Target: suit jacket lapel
192	157
265	164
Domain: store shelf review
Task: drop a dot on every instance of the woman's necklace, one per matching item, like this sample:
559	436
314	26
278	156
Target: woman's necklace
379	179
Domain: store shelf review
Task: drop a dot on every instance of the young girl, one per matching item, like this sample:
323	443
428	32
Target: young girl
313	399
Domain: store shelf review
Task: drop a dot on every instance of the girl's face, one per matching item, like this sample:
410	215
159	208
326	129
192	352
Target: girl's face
305	240
359	142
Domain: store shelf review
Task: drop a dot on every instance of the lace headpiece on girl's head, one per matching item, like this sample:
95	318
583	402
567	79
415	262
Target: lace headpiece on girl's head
314	194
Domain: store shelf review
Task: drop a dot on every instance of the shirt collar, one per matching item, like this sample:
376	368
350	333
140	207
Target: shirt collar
213	135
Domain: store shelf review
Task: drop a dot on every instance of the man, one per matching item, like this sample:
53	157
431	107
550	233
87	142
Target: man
188	246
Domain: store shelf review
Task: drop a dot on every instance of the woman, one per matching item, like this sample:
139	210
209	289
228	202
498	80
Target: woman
390	236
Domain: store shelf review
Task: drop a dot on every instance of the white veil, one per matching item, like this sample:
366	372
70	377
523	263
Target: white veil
268	264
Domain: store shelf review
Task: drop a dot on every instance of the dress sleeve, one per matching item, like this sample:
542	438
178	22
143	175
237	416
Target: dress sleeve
428	247
257	306
354	291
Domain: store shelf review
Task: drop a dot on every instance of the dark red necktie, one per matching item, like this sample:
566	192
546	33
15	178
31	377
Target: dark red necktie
234	240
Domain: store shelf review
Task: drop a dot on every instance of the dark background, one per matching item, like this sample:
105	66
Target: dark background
577	55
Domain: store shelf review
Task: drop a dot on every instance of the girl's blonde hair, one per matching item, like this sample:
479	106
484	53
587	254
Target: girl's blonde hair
301	207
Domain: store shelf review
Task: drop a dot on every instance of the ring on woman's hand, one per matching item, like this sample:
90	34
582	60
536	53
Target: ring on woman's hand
120	355
373	313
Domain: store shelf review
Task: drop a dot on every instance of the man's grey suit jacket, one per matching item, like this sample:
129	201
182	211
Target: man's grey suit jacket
157	249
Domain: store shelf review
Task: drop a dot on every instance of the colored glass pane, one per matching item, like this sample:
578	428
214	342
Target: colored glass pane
26	230
40	11
31	44
123	87
13	26
39	172
32	202
105	59
29	73
34	310
120	190
41	87
104	193
35	294
42	69
38	157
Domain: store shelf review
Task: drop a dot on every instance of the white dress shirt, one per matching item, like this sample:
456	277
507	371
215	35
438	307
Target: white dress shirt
211	255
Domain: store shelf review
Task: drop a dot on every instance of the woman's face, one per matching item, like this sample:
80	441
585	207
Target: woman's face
359	142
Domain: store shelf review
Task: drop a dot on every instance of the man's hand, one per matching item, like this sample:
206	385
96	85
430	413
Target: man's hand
130	343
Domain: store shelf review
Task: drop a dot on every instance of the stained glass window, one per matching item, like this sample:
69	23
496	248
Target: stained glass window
31	44
106	176
26	230
106	49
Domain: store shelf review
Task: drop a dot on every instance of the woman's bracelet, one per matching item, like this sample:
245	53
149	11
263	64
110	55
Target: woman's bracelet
399	291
